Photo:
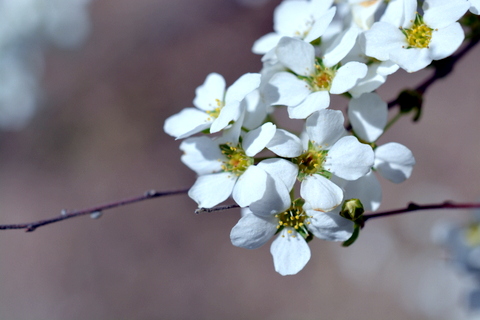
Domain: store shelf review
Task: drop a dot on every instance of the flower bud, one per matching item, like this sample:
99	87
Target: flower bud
352	209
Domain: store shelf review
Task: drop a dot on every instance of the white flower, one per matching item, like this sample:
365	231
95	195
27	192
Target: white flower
293	223
368	115
307	88
306	20
328	151
226	167
216	107
412	41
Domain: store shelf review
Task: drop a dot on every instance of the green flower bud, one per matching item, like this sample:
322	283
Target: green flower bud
352	209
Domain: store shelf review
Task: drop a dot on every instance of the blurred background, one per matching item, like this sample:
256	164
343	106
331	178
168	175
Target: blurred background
93	93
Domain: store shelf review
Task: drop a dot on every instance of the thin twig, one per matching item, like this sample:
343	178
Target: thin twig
417	207
32	226
219	208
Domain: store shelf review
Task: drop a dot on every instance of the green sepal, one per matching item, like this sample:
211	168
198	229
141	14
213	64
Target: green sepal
316	42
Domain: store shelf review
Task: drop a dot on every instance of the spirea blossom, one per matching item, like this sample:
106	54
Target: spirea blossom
294	187
412	40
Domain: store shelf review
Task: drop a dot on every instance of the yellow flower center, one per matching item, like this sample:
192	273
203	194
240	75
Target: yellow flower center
237	161
216	112
419	35
294	218
322	79
311	162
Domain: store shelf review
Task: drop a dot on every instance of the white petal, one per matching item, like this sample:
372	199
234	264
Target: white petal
349	159
363	13
211	91
340	47
317	7
313	102
250	187
367	189
209	190
321	194
187	122
394	162
320	25
266	43
412	59
251	231
274	199
289	17
446	41
441	13
409	12
281	169
202	155
329	225
475	6
256	140
382	39
297	55
368	115
290	90
230	112
290	252
325	127
285	144
255	110
386	68
347	76
395	12
232	133
243	86
372	81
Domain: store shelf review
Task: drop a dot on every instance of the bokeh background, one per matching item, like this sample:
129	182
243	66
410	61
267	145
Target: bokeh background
97	137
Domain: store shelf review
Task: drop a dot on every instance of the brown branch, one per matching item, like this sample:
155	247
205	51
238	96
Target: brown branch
417	207
219	208
95	211
411	207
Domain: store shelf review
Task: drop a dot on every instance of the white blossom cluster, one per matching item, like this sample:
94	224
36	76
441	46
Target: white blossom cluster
26	26
318	48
